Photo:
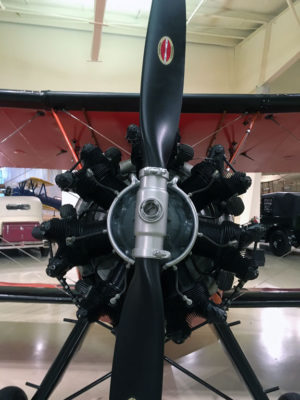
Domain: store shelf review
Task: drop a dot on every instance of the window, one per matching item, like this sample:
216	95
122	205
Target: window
18	207
268	206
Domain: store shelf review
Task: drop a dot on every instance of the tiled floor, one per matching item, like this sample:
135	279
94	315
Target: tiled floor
31	336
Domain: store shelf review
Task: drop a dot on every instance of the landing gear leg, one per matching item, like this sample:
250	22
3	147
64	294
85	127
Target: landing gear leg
62	360
240	361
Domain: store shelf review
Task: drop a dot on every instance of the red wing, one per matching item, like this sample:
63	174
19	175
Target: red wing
31	141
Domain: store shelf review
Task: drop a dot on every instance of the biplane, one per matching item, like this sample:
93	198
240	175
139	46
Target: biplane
37	187
121	172
258	132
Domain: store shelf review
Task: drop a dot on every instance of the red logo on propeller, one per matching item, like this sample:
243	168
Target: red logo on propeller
165	50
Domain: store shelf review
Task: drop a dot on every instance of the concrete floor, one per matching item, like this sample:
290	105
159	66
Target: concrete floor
32	334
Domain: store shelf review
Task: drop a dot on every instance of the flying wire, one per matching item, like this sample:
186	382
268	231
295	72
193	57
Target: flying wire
22	251
218	130
97	132
19	131
9	160
11	259
19	128
22	265
283	128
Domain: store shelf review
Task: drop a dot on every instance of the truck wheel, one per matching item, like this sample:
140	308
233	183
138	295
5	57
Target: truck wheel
279	243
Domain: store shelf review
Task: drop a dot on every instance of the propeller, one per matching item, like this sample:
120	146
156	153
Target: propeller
162	80
138	357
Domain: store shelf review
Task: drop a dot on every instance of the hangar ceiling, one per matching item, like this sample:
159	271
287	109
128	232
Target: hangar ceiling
214	22
251	44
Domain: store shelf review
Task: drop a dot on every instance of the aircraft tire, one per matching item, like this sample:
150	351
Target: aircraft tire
290	396
12	393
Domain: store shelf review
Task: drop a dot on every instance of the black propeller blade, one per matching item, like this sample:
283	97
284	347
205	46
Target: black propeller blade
162	80
138	362
138	359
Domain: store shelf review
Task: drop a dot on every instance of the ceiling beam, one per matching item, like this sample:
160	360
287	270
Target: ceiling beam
16	14
33	17
209	35
191	36
264	55
99	10
234	29
42	20
240	16
222	34
292	7
195	11
223	39
213	39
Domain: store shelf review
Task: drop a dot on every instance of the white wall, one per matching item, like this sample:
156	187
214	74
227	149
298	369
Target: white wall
289	81
209	69
40	58
251	200
69	198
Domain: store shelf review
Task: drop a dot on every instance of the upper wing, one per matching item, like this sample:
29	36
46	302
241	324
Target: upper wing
260	132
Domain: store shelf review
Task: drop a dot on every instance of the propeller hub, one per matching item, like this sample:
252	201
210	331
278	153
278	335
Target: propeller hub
151	214
151	210
181	230
154	171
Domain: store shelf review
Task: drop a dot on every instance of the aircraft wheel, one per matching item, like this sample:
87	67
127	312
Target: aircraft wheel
279	243
12	393
290	396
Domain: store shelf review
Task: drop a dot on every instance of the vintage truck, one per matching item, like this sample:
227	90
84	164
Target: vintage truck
18	216
280	217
